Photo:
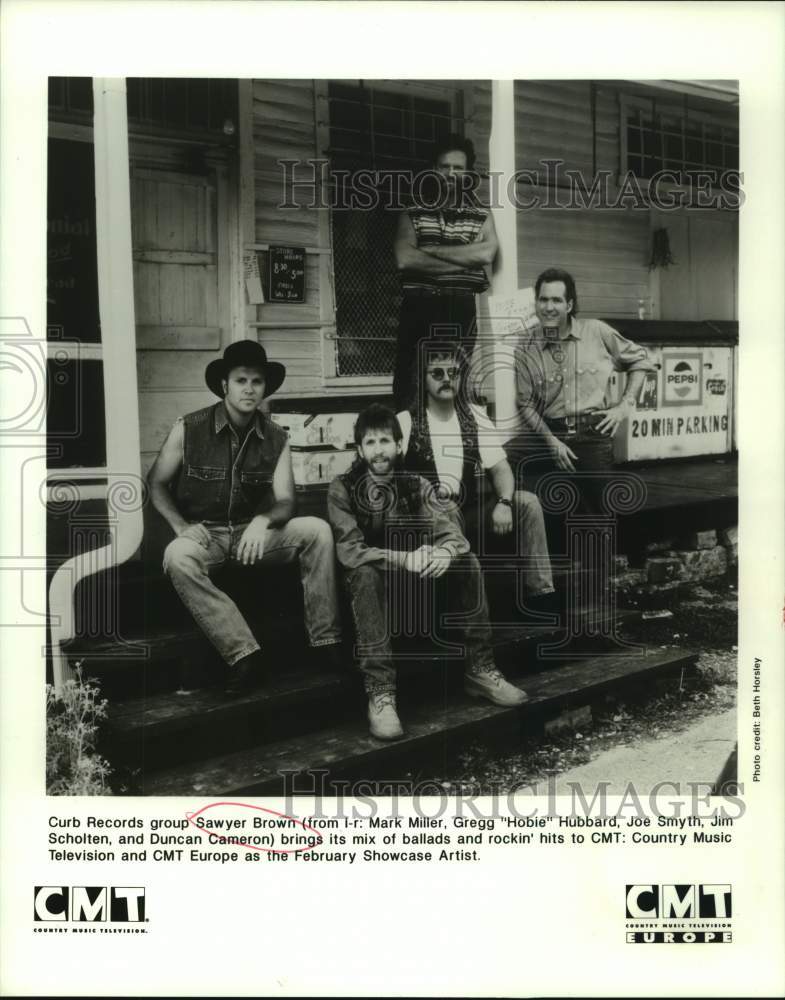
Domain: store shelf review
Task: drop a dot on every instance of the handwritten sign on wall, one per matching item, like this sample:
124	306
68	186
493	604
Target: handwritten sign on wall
253	281
286	275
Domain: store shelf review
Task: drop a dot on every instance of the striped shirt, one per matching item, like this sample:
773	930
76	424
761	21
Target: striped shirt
447	227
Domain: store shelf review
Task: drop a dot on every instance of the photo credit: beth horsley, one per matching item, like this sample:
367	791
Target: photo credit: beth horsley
756	716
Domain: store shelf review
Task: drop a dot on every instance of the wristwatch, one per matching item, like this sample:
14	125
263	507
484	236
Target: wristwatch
505	501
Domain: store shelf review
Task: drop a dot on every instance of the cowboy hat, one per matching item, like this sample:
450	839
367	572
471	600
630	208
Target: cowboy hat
244	354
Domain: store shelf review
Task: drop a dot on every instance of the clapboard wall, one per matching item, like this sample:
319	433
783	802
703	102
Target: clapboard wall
284	127
607	251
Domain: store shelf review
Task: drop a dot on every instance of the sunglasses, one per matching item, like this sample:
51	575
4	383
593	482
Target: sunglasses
440	373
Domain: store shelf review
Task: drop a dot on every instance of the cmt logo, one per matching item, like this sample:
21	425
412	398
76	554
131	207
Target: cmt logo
88	903
678	901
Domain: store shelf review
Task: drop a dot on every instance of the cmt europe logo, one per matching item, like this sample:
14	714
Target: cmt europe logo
679	914
89	903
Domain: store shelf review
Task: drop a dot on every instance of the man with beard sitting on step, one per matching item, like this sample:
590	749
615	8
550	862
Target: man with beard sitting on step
378	512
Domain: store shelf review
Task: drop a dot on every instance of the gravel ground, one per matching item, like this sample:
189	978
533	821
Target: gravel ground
705	620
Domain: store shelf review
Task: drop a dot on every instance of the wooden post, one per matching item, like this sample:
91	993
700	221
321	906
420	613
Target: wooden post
505	278
124	490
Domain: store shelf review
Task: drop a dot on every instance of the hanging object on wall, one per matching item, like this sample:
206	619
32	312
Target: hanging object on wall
661	255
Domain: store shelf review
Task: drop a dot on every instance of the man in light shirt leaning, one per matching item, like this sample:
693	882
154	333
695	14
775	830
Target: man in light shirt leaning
562	376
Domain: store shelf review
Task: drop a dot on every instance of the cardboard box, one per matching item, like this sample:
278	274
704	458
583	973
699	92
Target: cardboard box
318	430
314	467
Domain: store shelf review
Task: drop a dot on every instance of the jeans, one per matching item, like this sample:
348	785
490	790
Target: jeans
530	460
373	590
528	539
188	565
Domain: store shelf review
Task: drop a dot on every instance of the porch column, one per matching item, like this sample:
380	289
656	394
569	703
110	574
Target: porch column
124	493
501	151
116	280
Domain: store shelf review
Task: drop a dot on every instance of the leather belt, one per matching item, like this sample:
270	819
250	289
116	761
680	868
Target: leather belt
431	293
576	423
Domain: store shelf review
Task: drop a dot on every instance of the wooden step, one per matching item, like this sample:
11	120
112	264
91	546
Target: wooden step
163	641
176	711
175	723
349	748
285	682
136	602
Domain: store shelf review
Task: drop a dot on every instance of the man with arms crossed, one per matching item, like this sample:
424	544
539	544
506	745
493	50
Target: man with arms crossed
443	251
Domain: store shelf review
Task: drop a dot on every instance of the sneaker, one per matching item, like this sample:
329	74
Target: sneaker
491	684
385	724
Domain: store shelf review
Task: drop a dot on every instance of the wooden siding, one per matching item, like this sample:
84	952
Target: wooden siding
553	120
284	128
607	251
578	122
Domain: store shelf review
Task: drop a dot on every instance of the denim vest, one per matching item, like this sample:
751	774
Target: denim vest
224	481
419	455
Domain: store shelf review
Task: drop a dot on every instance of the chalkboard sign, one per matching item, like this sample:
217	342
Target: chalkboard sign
286	276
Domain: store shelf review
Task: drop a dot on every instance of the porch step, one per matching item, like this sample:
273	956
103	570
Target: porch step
284	682
167	657
136	599
163	641
296	696
348	749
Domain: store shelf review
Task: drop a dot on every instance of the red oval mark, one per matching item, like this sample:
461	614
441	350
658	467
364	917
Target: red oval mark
223	838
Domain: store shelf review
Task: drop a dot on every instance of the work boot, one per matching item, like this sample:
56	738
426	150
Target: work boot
244	675
329	657
385	724
551	603
488	682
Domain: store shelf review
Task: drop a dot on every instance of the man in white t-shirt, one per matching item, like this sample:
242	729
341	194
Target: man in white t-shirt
450	442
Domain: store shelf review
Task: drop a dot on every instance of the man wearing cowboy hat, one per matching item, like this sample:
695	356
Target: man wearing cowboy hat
223	481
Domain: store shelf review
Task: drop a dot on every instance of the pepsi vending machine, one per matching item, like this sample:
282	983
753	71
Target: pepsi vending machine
686	406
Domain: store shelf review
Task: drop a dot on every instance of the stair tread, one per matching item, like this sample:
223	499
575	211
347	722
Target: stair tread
257	770
161	636
282	683
175	708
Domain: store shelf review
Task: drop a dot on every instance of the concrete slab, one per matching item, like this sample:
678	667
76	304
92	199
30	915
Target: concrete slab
697	754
